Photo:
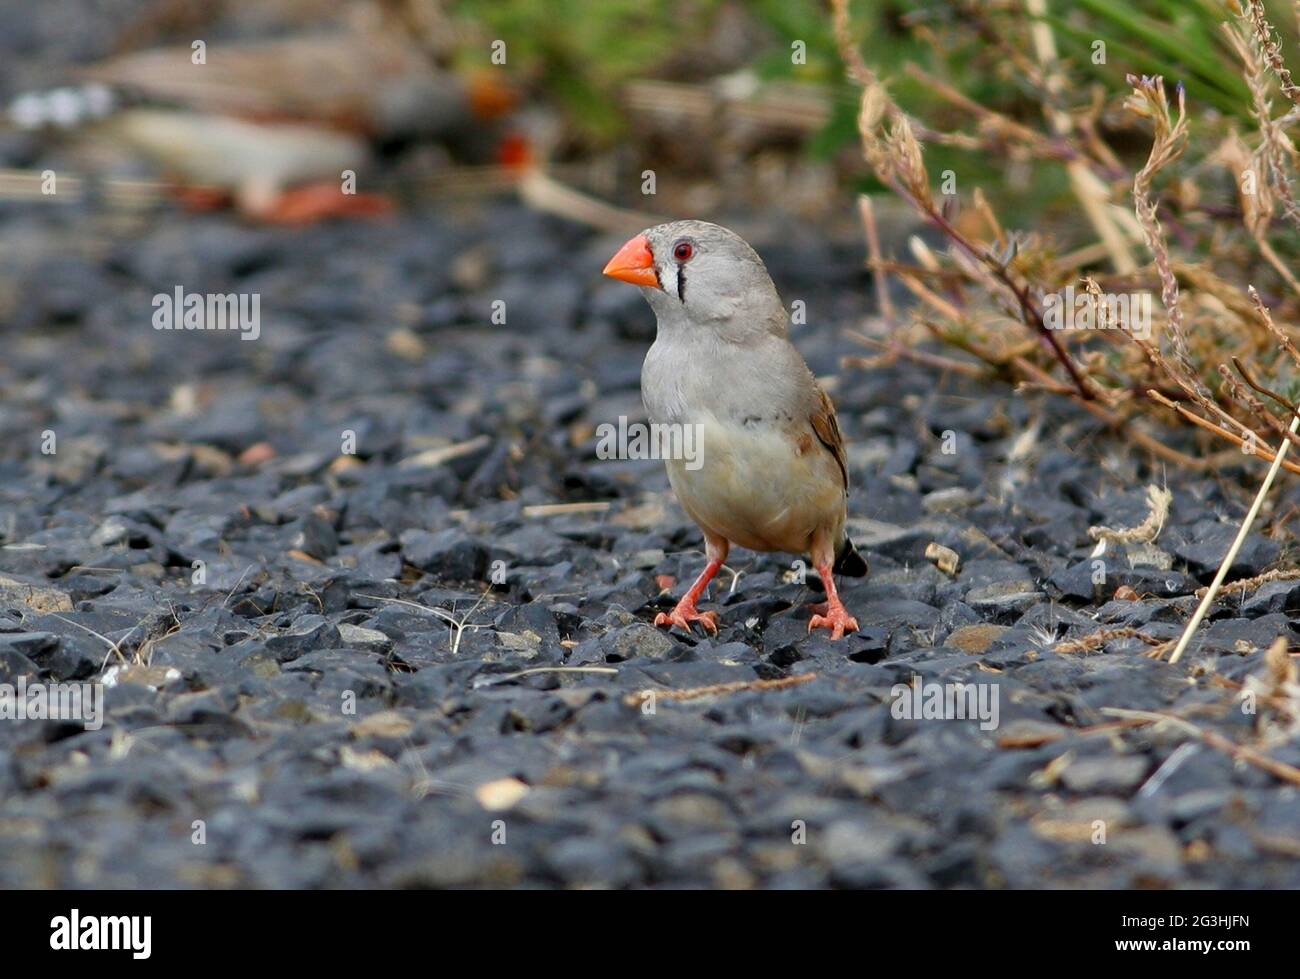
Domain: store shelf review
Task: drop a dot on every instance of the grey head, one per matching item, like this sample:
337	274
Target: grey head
709	278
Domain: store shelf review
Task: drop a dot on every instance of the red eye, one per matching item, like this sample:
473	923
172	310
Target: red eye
683	250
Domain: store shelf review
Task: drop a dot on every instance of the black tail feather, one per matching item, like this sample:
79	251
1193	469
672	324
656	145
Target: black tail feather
849	562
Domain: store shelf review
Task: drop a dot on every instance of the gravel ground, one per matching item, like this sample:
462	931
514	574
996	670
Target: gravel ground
257	545
305	702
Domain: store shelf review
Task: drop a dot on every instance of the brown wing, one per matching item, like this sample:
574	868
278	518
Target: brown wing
333	79
827	428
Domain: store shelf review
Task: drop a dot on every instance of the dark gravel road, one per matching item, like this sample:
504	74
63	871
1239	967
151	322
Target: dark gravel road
316	568
367	609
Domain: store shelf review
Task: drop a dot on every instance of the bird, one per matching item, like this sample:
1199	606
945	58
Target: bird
771	473
274	125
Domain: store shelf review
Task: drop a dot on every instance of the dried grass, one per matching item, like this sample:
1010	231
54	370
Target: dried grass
1208	205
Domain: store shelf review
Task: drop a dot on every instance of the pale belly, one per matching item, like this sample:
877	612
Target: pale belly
226	152
754	487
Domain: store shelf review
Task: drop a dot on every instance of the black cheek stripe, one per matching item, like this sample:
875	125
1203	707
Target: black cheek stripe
681	282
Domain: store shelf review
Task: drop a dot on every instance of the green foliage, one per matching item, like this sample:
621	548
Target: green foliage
1179	39
578	51
964	43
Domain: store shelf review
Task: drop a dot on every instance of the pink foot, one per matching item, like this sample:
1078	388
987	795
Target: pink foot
837	619
316	202
684	614
200	198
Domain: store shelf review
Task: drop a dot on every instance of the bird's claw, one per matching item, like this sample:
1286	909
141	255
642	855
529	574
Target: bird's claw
315	202
837	619
683	615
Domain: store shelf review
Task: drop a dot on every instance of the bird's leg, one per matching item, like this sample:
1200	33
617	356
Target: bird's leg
200	198
310	203
836	617
685	611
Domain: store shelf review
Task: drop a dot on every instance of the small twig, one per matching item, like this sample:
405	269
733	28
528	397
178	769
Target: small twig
542	191
1195	419
430	458
114	648
489	681
1291	409
455	627
892	351
1281	770
242	576
1038	739
1236	546
1158	499
558	509
1167	768
876	259
1095	640
716	689
1246	584
930	297
735	577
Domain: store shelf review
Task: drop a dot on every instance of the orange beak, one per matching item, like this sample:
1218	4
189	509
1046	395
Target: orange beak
634	263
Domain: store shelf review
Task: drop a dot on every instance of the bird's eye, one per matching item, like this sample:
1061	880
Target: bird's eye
683	250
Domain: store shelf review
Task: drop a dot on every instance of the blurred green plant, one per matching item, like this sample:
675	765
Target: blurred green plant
579	51
1206	220
968	45
1178	39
